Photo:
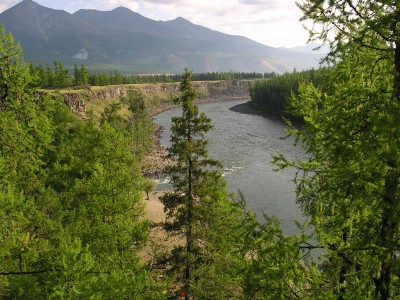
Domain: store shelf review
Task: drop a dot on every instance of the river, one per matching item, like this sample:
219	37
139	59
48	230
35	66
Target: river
244	144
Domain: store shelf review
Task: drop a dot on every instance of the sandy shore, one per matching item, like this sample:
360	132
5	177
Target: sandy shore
159	242
154	207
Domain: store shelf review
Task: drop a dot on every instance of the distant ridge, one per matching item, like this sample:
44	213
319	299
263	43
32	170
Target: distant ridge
129	42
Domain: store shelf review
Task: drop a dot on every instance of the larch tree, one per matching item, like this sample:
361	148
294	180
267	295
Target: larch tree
350	185
71	215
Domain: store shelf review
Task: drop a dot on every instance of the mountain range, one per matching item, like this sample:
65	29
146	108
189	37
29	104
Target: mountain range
126	41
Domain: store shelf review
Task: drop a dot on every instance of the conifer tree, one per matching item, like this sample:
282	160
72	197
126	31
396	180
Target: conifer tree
61	75
77	75
70	198
84	74
350	188
190	177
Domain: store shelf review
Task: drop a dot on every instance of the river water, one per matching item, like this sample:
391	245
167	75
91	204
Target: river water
244	144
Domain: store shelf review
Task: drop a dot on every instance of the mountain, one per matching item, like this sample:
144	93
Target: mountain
310	48
129	42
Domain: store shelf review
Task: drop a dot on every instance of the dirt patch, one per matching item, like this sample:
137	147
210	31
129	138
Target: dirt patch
159	242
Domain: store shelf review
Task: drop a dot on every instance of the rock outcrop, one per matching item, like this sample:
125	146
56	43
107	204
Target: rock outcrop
156	162
207	91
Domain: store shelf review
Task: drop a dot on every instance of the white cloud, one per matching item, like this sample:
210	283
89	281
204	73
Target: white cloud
272	22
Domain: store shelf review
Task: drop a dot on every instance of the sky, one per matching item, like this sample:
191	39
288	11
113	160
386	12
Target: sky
271	22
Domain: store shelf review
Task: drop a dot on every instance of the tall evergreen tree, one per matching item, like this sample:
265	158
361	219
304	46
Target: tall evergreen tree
190	176
77	75
84	74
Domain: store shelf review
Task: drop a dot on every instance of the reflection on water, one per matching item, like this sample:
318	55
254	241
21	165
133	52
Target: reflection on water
244	144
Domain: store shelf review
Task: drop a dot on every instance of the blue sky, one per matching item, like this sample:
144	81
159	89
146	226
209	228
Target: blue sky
271	22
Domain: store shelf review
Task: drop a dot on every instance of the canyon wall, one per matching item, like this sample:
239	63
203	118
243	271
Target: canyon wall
77	100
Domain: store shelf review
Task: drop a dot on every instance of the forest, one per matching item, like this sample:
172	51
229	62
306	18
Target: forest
71	190
58	76
272	94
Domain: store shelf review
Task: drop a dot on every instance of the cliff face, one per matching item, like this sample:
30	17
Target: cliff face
206	91
77	100
225	90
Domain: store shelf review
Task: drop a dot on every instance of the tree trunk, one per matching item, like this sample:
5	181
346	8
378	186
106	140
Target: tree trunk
389	217
189	220
387	236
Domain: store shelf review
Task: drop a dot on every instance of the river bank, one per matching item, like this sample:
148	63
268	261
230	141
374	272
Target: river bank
156	163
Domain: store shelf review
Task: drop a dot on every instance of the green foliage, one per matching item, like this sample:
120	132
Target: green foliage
81	75
349	185
276	267
14	75
189	177
71	215
59	76
115	78
149	186
271	95
140	126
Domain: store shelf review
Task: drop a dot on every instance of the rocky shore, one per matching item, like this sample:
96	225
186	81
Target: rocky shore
156	161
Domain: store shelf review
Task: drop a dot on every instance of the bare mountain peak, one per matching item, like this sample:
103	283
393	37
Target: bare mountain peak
34	6
122	9
116	16
83	10
27	3
182	21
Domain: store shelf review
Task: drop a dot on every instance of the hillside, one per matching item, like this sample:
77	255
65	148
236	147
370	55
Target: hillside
126	41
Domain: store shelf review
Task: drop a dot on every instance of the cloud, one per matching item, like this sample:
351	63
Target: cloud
6	4
164	2
272	22
269	3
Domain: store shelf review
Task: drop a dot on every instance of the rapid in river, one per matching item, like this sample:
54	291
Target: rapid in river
245	144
